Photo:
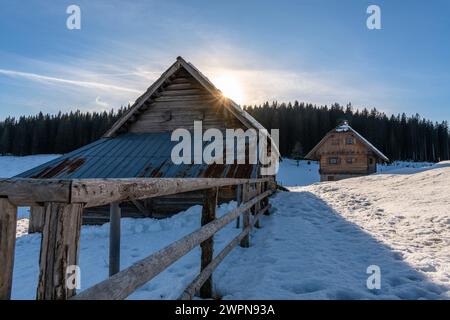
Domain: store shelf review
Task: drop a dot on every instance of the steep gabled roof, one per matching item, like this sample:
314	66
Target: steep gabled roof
144	100
345	128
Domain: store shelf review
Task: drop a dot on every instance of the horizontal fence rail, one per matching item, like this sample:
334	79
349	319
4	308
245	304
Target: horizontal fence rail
61	203
195	285
97	192
122	284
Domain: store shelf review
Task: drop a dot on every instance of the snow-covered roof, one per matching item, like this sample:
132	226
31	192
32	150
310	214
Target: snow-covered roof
345	127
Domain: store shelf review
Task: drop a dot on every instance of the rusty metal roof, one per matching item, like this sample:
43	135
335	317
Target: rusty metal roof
133	155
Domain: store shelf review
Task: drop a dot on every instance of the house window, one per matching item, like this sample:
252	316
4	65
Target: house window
350	140
370	160
333	160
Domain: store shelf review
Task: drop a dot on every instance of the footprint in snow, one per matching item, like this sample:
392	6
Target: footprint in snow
303	287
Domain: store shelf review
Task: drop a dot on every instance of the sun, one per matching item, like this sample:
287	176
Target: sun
230	87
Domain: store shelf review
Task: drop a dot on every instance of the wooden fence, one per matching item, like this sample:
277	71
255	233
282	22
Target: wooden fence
63	202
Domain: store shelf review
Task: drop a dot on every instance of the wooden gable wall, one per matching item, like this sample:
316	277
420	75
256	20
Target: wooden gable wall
182	102
335	146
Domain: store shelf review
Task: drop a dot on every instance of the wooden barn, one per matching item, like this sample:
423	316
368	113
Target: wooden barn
344	153
139	145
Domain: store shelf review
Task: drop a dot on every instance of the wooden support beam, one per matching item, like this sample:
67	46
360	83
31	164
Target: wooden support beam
23	192
207	246
97	192
239	202
257	205
265	201
245	242
37	219
114	239
142	209
59	250
8	222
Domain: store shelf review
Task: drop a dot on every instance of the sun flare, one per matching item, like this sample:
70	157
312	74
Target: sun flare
230	87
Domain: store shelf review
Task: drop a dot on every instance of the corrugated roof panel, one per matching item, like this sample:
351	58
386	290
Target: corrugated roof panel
132	155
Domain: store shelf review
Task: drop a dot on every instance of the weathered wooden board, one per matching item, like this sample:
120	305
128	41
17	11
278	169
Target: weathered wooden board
114	239
245	242
26	191
206	273
122	284
207	246
8	222
59	250
97	192
37	219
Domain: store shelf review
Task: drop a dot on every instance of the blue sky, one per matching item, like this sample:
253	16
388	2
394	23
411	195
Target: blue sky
315	51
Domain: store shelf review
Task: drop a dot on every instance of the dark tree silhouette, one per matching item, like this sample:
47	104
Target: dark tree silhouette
301	125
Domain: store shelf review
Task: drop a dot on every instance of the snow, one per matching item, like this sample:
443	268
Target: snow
307	172
403	167
322	238
317	243
140	238
343	128
310	251
289	174
11	166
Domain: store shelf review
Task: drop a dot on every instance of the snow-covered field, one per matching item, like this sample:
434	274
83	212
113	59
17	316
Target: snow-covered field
306	173
402	219
294	173
317	244
11	166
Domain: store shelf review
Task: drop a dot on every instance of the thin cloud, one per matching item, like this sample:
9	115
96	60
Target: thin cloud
101	103
85	84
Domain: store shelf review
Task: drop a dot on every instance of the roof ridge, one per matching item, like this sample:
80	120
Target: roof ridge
245	118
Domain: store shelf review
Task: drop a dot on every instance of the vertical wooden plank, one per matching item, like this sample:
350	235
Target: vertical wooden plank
37	219
207	246
8	223
258	204
245	242
239	202
265	201
59	250
114	239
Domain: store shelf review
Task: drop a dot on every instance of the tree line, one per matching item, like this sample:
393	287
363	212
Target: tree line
399	137
53	134
301	125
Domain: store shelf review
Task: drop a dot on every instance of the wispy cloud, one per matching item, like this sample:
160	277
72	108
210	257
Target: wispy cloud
101	103
116	74
85	84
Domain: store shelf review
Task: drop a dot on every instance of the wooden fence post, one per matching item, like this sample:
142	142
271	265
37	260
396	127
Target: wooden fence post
207	246
8	222
37	219
239	202
59	250
114	238
265	202
258	204
245	242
